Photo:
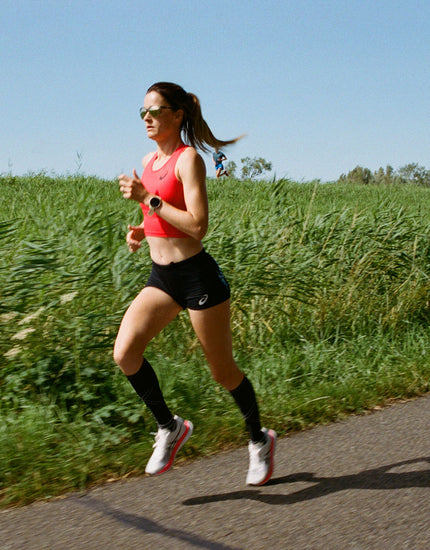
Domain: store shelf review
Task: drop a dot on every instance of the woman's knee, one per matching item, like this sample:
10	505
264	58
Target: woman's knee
127	356
229	378
118	354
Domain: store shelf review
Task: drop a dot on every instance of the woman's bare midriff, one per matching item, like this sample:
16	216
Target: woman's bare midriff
164	250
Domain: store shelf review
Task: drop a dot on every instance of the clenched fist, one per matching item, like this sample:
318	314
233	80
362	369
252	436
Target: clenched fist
132	188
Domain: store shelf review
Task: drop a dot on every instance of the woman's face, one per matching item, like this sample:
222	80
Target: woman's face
166	124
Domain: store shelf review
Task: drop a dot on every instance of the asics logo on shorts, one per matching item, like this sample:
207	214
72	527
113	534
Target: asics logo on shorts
203	299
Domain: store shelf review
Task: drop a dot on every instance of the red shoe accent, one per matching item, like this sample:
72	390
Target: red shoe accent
272	462
176	448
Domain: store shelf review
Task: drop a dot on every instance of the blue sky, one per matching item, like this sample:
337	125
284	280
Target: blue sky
318	86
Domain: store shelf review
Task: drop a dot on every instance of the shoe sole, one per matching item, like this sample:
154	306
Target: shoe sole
272	435
181	441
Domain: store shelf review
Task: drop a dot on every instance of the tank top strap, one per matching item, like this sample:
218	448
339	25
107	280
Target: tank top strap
172	159
151	161
178	153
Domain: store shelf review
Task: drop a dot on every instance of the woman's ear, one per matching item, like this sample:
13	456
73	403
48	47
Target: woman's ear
179	116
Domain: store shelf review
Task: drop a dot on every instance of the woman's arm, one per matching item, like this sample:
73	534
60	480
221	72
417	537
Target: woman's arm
191	171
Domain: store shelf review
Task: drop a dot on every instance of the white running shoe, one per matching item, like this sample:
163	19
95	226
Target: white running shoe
261	462
167	444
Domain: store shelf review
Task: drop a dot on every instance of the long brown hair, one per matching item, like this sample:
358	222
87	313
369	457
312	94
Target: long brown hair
195	129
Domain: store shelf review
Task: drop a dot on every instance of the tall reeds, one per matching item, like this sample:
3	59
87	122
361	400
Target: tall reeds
330	309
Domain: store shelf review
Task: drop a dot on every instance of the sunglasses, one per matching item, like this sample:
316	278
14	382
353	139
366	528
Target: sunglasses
154	111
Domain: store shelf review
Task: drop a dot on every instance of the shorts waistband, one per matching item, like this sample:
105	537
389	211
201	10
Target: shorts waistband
182	262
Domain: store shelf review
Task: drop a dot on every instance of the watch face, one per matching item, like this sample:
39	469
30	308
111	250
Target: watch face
155	202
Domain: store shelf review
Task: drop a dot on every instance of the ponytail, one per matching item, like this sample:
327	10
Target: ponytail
195	129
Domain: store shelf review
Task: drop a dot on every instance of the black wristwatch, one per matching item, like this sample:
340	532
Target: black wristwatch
154	203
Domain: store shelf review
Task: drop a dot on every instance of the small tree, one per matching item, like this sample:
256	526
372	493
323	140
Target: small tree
385	177
253	167
413	173
231	168
358	175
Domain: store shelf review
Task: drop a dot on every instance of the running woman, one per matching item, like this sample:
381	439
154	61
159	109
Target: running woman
173	198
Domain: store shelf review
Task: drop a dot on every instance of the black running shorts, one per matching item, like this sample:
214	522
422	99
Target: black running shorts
195	283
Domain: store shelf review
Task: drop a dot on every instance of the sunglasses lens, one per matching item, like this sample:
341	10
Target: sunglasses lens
153	111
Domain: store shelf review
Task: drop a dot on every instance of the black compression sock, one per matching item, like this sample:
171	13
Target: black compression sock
145	383
244	396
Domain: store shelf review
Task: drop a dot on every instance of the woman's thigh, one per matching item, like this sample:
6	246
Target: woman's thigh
147	315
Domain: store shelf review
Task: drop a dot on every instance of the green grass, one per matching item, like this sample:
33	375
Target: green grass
330	310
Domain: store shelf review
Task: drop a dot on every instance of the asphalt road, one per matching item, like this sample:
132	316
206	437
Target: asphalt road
362	483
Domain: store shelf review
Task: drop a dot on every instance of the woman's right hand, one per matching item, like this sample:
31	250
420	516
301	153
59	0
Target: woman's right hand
135	236
132	188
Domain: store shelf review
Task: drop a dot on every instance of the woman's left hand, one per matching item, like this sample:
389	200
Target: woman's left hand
132	188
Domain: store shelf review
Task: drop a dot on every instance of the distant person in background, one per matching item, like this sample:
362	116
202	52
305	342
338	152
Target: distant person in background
218	158
173	198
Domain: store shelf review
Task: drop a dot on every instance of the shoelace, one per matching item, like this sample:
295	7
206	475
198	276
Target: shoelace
261	453
157	438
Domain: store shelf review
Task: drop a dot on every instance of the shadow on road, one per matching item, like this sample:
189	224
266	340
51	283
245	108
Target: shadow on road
382	478
378	478
149	526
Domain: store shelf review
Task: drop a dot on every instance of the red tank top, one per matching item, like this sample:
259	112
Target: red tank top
165	184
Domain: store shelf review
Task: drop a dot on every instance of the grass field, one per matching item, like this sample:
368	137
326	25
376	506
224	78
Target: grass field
330	314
